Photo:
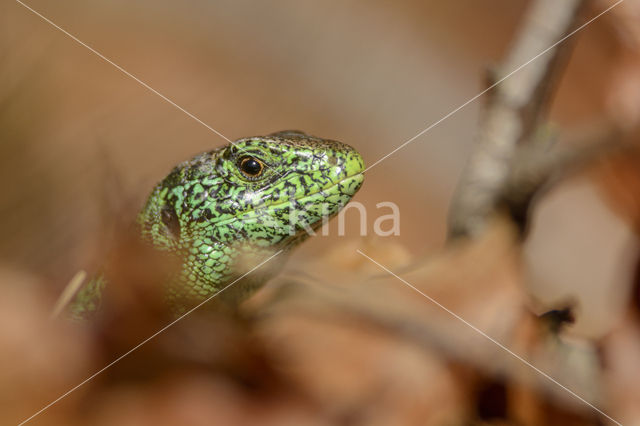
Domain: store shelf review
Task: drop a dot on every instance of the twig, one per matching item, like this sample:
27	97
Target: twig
513	113
68	293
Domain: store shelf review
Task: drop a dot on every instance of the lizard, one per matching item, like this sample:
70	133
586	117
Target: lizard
226	210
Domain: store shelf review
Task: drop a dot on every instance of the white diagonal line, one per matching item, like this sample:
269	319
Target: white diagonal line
581	27
127	73
477	330
88	379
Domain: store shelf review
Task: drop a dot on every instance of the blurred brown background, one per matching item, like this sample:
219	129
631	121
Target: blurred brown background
81	144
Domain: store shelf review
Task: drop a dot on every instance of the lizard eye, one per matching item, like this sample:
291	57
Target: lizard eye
251	167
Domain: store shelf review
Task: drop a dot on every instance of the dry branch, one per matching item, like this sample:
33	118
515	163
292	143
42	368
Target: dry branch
514	111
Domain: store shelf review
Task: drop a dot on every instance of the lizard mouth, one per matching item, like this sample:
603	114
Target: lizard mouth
352	185
347	187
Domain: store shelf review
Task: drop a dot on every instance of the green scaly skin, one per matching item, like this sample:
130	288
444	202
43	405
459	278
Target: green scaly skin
221	222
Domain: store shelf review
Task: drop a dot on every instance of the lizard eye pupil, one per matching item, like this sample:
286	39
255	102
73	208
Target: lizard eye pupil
251	166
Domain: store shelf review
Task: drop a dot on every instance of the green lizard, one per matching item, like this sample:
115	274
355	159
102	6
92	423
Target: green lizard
225	211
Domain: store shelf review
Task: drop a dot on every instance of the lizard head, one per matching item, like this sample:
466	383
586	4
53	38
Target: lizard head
258	193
